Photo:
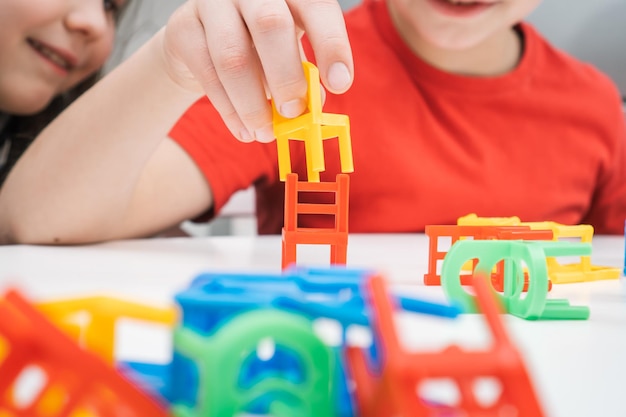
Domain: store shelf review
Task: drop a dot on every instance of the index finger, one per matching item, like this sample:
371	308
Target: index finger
323	22
274	34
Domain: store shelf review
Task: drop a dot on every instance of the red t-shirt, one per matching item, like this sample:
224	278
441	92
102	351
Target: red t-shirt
546	141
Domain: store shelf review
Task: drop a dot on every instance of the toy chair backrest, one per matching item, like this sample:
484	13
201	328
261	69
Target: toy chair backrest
338	209
313	94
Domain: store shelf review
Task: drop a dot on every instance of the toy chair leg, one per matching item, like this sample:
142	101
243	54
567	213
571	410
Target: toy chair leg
338	254
314	150
10	370
289	253
311	174
284	157
345	150
317	147
342	133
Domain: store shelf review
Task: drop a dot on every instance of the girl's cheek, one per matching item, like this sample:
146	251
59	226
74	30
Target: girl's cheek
102	51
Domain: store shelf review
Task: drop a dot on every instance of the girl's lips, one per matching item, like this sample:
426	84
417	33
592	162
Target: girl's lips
459	9
62	61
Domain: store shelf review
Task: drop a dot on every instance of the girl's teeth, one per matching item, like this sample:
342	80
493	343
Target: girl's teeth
50	54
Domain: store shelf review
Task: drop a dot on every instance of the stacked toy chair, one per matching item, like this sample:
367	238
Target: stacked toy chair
313	127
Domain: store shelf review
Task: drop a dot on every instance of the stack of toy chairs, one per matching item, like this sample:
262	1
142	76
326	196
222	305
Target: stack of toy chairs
313	127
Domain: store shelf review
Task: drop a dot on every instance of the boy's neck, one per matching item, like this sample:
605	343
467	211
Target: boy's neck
496	55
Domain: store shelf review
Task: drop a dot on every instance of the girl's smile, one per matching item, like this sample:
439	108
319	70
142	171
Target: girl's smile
47	47
62	61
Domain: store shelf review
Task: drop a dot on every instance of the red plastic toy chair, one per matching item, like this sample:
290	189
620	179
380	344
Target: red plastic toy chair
395	391
336	237
76	382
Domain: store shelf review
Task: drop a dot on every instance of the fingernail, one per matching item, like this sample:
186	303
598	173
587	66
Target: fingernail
292	108
265	134
338	76
244	135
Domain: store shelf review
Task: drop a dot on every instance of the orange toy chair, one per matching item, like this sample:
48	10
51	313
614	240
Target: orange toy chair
336	237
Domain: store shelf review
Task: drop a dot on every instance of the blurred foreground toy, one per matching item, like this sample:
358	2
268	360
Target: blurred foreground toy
245	343
92	320
73	382
394	389
214	302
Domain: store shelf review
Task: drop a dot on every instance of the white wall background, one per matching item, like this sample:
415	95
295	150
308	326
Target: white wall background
592	30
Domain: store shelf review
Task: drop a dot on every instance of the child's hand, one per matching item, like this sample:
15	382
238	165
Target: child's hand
239	52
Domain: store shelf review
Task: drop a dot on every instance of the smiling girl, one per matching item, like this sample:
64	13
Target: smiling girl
50	52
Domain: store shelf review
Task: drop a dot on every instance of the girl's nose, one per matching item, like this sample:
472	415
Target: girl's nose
88	17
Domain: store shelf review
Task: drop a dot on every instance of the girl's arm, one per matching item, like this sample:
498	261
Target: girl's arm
103	169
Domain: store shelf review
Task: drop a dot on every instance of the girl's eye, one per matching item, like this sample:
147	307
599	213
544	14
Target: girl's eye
111	6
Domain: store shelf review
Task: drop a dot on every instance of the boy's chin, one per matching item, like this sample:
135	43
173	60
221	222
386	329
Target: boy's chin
457	41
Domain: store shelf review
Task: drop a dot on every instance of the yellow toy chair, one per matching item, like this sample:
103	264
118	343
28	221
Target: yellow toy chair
312	127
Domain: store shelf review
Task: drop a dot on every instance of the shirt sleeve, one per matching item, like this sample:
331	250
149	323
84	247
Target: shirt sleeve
228	165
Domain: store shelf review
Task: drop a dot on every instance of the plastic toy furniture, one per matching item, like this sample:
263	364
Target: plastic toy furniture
312	127
333	293
234	376
97	333
335	236
516	255
558	273
214	299
75	383
394	390
437	233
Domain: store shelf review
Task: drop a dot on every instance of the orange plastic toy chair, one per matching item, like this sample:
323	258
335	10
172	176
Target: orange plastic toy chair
453	233
402	374
336	237
75	382
312	127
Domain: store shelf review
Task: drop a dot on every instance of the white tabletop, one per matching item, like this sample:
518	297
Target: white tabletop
578	367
